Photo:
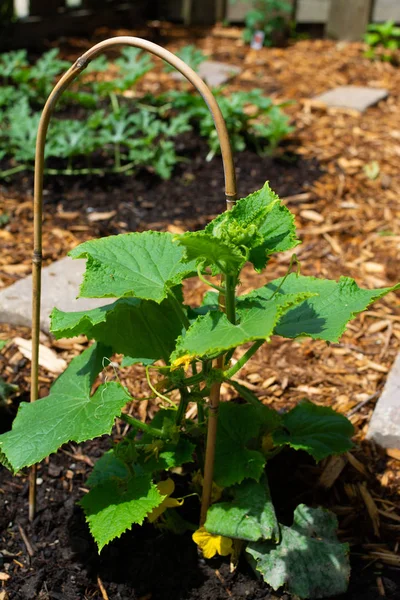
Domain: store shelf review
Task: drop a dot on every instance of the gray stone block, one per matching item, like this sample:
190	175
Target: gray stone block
60	286
213	72
384	427
353	97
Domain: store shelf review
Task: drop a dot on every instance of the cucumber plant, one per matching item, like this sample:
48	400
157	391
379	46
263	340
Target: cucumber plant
187	352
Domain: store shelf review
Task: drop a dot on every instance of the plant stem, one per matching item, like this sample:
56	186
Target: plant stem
13	171
182	405
200	412
204	280
229	302
243	360
117	156
143	426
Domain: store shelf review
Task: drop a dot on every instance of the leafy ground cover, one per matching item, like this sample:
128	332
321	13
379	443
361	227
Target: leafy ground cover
330	374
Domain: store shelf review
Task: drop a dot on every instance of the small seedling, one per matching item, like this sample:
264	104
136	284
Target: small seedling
186	353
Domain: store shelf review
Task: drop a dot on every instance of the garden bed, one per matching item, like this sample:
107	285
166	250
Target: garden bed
348	226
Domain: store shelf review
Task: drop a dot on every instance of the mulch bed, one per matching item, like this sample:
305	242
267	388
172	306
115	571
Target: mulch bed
349	225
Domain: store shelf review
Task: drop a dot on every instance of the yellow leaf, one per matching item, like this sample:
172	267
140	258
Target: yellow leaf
211	544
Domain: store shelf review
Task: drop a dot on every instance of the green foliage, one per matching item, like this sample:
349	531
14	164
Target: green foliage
127	135
309	559
150	324
318	430
250	515
190	55
251	118
383	41
268	16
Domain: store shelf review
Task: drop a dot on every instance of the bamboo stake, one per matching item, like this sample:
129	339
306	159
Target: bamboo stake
61	86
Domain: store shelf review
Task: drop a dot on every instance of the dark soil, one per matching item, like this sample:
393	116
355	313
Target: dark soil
194	193
144	564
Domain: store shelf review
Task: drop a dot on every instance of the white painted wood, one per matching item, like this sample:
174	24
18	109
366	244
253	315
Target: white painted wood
313	11
21	8
385	10
73	3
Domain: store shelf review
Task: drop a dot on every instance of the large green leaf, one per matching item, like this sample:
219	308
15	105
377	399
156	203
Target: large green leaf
318	430
238	424
167	456
249	516
260	222
137	328
325	315
211	251
68	414
115	505
145	265
212	333
309	559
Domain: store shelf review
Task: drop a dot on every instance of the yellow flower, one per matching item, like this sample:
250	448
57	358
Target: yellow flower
166	488
184	361
267	443
211	544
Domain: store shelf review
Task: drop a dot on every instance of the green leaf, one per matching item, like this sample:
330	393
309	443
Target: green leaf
130	326
211	251
145	265
68	414
259	222
269	418
318	430
325	315
114	506
109	466
309	560
237	426
249	516
212	333
6	389
169	456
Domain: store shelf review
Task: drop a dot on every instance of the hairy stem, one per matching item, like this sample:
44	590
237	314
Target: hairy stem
243	360
143	426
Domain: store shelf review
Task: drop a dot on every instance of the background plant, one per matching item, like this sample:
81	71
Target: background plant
269	16
115	133
186	352
383	41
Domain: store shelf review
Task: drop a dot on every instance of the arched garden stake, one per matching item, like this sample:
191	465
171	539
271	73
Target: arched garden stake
230	193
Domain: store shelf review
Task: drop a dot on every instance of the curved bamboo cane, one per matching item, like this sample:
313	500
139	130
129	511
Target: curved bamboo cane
230	192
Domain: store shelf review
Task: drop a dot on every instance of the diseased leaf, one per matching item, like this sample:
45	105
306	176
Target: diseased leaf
260	222
114	506
145	265
234	461
212	333
249	516
309	560
130	326
211	251
68	414
325	315
318	430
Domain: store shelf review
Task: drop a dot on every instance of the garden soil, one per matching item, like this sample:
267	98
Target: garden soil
347	211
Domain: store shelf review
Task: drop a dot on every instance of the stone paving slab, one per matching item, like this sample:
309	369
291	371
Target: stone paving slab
353	97
60	286
213	72
384	427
